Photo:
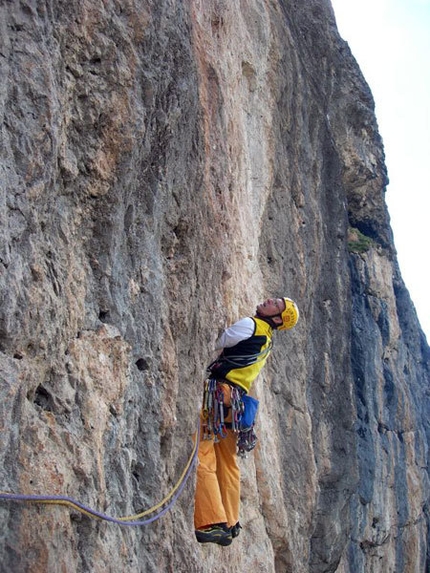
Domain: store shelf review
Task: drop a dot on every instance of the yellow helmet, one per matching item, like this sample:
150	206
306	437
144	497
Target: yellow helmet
290	315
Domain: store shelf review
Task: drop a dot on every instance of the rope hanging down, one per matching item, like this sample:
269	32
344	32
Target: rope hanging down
132	520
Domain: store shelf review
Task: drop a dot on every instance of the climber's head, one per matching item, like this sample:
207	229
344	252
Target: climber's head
282	313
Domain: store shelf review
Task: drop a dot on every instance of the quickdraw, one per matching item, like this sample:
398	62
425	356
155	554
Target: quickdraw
213	411
236	408
246	442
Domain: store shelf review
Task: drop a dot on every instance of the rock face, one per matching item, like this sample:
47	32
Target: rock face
164	165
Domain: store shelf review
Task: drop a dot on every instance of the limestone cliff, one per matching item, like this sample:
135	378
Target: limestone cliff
164	165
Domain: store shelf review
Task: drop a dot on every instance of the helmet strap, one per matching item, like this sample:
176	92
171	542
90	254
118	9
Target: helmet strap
269	320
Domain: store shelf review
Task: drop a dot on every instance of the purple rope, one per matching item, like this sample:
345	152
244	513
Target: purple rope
54	498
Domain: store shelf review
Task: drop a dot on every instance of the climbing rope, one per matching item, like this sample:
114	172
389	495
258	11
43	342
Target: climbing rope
246	359
241	360
133	520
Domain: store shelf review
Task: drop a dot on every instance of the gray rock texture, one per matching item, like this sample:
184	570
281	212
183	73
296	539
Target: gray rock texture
165	165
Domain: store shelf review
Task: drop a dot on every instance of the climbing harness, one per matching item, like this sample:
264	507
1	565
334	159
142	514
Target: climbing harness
243	407
132	520
243	411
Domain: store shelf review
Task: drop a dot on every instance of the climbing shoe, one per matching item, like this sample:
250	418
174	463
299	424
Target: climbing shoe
217	533
235	530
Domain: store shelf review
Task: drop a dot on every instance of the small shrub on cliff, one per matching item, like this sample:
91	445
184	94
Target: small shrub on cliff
357	242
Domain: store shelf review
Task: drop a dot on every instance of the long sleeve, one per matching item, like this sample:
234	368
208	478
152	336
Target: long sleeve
240	330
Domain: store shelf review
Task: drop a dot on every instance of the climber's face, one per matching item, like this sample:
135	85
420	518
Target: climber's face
272	307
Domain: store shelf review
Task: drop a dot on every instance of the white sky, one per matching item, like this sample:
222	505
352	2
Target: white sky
390	40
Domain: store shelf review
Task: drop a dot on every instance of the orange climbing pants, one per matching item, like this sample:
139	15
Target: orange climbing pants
217	498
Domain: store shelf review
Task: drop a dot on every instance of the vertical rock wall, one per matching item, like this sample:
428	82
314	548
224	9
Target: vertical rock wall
164	165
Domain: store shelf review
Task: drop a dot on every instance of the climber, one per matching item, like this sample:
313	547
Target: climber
245	347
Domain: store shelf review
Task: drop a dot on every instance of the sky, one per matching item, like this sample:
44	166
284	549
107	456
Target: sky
390	39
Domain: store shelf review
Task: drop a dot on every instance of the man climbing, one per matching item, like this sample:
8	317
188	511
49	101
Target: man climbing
245	347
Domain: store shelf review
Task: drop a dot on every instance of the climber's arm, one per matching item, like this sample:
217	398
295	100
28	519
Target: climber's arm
240	330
